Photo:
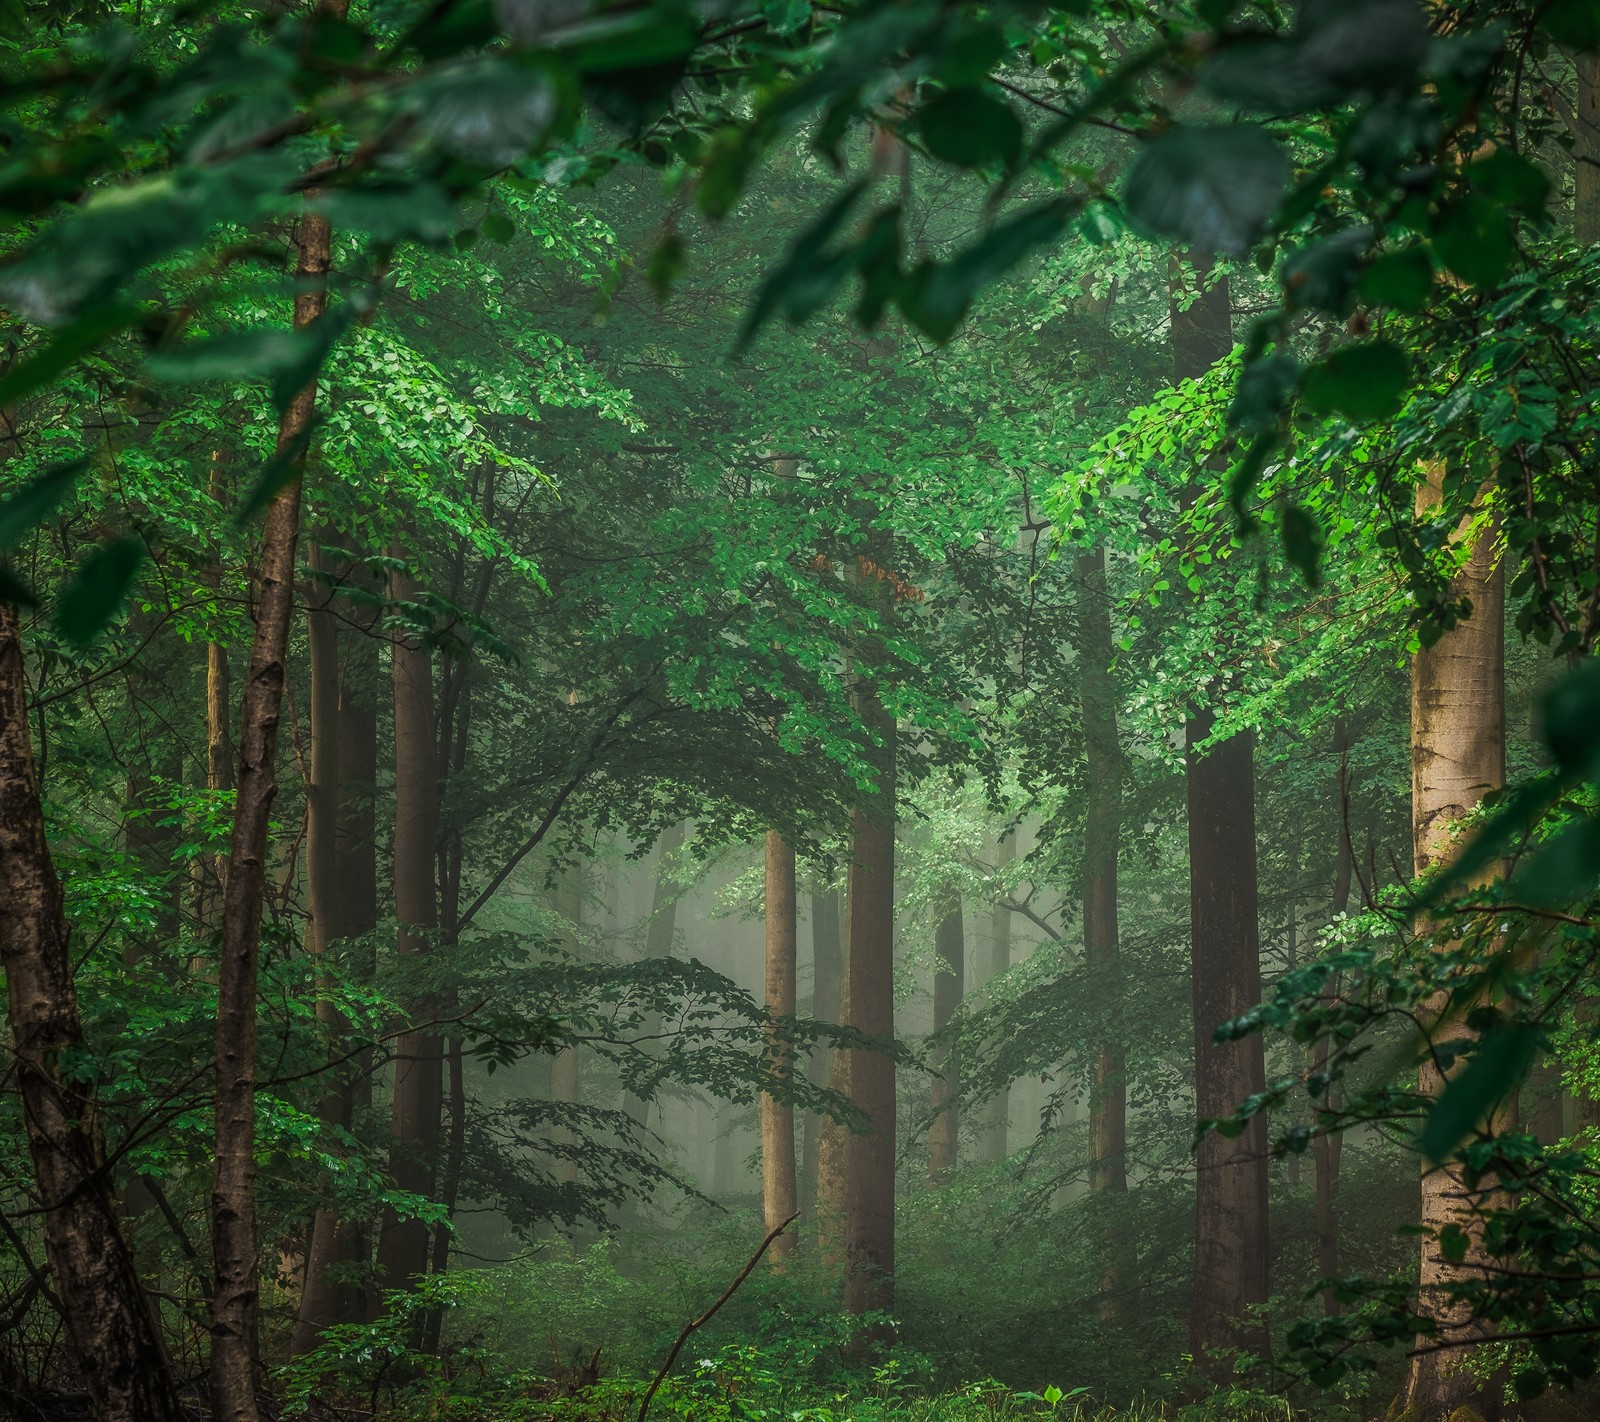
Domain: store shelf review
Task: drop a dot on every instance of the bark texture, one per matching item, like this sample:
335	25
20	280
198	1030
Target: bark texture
109	1324
827	980
1231	1253
944	1130
418	1098
779	1192
1327	1146
1458	754
341	866
236	1290
868	1224
1231	1259
998	1120
1102	832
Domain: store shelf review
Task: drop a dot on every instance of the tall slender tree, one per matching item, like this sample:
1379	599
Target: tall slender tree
417	1102
108	1319
1102	832
827	972
236	1290
1458	755
779	1190
949	979
1230	1220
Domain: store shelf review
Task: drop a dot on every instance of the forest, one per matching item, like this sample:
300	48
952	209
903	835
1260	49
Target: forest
796	710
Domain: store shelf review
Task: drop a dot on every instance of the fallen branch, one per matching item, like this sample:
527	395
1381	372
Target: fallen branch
710	1313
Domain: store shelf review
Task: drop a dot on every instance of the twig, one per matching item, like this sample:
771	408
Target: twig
710	1313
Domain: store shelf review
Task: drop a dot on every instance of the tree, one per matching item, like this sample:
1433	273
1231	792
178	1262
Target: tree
1230	1209
1458	755
949	982
779	1188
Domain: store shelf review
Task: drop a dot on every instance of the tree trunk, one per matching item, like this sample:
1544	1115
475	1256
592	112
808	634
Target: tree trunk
1458	754
1102	831
944	1131
660	932
1586	151
109	1324
827	971
1326	1147
778	1187
868	1224
1231	1250
325	1298
1231	1260
208	873
566	1082
418	1099
998	1122
233	1243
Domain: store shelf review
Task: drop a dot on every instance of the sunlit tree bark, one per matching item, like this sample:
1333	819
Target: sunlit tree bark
1458	754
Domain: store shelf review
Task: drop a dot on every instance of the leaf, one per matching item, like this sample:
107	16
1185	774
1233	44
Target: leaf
784	17
1339	50
970	128
808	276
1511	180
95	594
937	297
1213	188
71	342
1569	719
32	504
1262	393
1564	870
1499	1063
1303	543
1573	23
14	590
497	227
1322	275
666	264
1400	280
1362	383
1473	239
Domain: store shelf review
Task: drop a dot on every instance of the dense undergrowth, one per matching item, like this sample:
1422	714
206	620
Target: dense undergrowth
577	1329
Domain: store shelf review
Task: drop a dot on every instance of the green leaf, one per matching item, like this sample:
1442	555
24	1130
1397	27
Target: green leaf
1322	275
936	297
1303	543
810	274
784	17
72	341
1573	23
95	594
32	504
970	128
666	264
1511	180
1565	869
1400	280
1213	188
1569	719
1474	240
497	227
1364	382
1492	1073
1101	224
1263	392
14	590
1529	1382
